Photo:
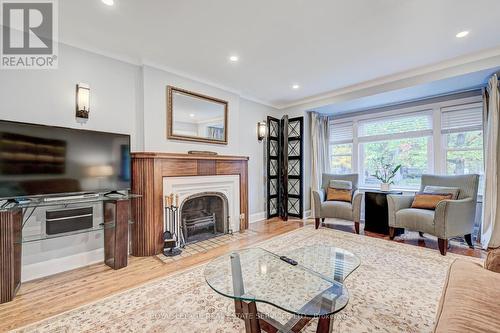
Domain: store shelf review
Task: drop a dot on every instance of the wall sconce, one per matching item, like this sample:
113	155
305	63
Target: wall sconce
82	100
261	130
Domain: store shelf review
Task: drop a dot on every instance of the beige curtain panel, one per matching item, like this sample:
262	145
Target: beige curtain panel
490	237
319	149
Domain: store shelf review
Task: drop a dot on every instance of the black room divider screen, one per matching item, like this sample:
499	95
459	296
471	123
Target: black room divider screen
285	190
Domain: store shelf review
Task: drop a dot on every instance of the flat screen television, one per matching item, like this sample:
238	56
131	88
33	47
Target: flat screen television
38	160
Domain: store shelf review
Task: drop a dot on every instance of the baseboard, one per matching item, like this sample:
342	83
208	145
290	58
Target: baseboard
257	217
58	265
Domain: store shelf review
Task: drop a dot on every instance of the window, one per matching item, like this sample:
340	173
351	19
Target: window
341	136
462	132
403	139
441	138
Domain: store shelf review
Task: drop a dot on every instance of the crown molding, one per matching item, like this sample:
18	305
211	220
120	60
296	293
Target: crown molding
207	82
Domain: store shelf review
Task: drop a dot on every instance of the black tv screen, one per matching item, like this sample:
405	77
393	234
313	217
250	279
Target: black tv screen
46	160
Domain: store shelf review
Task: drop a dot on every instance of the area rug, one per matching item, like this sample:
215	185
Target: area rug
396	289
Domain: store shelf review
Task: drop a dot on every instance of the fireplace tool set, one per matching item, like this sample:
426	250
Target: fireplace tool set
173	237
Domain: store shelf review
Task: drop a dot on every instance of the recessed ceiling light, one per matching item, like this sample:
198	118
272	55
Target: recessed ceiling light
295	86
108	2
234	58
462	34
191	115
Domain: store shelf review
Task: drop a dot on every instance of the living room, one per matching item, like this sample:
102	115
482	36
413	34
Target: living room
237	166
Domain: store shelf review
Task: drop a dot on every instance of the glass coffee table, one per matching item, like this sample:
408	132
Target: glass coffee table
314	287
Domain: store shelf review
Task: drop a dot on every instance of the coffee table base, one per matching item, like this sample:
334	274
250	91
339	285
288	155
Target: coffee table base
256	322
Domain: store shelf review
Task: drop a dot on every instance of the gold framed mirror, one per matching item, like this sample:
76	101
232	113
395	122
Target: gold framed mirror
196	117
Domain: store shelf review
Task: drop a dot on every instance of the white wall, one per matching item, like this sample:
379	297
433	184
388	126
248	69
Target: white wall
250	114
48	96
125	98
155	113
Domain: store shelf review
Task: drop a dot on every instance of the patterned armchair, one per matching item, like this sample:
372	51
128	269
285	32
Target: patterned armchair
451	218
350	211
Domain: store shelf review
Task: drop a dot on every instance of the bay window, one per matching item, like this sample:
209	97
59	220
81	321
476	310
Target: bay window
441	138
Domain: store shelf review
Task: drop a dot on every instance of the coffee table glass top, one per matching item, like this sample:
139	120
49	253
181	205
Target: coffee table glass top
314	287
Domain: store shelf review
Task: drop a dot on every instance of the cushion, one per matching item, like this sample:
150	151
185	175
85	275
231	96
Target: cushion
429	200
469	302
443	189
337	209
334	194
492	262
416	219
341	184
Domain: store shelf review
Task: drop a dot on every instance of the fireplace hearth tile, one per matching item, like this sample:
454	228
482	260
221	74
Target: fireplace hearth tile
208	245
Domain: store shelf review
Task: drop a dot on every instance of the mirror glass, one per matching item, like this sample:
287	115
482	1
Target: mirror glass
196	117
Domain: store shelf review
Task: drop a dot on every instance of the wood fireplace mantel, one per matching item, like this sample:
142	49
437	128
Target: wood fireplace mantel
148	170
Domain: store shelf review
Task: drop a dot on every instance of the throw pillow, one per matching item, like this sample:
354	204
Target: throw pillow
492	262
341	184
335	194
429	200
443	189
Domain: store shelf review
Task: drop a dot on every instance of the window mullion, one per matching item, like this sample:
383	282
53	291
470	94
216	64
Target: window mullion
355	147
439	159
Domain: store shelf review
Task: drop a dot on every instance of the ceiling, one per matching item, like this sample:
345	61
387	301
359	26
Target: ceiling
322	45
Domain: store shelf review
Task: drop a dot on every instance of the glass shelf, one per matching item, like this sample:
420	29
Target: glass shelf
40	202
41	237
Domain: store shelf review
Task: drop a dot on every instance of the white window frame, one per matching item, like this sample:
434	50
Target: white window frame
445	149
436	152
398	136
342	142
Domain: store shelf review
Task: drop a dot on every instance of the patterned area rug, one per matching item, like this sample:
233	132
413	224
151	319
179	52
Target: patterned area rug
396	289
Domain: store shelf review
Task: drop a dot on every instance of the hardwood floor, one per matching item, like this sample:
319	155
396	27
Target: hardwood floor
46	297
52	295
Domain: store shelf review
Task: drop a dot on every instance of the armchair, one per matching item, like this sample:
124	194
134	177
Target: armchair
451	218
350	211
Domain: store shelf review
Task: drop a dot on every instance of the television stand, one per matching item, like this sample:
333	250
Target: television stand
7	202
116	222
72	197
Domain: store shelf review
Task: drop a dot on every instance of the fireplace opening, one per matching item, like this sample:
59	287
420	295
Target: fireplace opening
204	216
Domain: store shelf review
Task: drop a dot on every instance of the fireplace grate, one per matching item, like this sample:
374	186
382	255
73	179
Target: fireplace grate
191	225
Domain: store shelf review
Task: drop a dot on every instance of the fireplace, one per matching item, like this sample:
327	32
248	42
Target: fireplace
208	206
155	175
203	216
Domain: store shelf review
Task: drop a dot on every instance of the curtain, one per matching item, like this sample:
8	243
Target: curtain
491	212
319	149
